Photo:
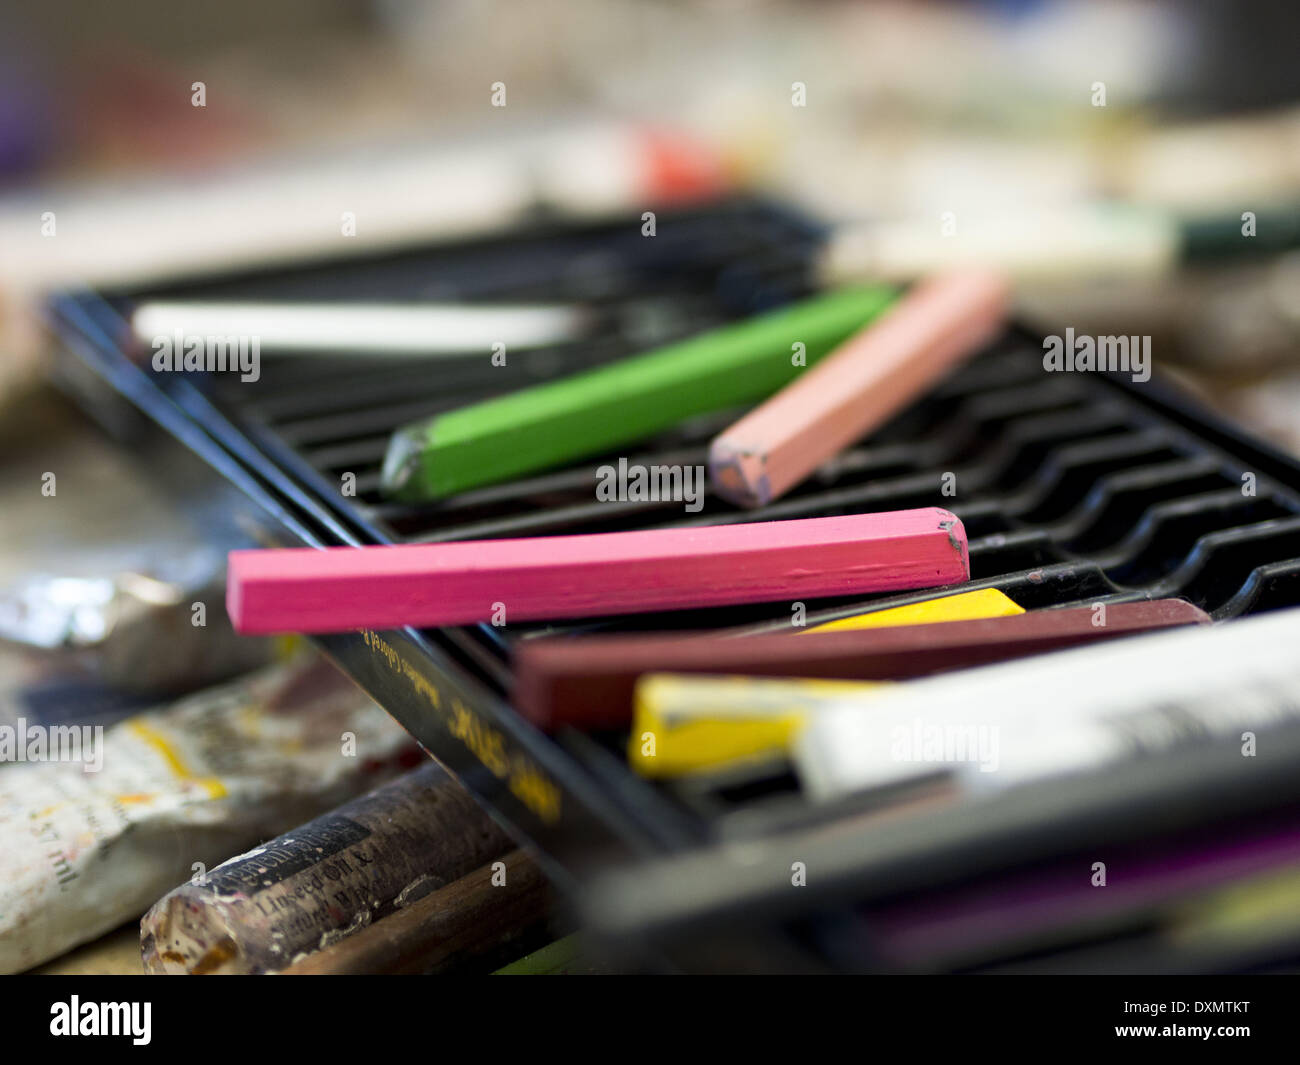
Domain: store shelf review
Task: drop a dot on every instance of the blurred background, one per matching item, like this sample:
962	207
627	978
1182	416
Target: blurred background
165	138
900	111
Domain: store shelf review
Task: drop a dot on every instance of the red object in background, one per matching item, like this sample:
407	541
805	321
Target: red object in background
680	168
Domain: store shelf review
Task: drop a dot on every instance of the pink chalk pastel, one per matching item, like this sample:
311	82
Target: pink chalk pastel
342	588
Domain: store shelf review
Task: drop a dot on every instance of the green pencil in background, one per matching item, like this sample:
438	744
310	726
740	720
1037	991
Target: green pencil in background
587	413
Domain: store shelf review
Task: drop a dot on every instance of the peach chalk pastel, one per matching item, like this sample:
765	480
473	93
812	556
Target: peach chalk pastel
340	589
858	386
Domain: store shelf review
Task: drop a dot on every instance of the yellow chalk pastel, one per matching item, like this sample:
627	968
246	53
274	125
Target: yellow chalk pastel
964	606
688	723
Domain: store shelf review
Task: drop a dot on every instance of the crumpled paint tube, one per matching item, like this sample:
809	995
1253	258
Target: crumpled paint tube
324	881
177	790
107	629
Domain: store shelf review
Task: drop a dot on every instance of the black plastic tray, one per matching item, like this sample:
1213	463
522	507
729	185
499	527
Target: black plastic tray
1073	487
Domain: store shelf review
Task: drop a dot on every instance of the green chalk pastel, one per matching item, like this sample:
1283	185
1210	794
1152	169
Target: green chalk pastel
588	413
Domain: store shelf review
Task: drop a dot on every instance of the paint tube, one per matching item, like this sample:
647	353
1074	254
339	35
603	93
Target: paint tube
96	823
108	629
321	882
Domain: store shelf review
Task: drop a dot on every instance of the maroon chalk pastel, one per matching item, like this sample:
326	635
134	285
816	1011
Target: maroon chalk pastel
588	681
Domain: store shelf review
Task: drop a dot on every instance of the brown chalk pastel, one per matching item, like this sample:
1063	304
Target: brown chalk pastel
588	681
